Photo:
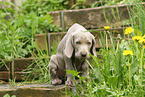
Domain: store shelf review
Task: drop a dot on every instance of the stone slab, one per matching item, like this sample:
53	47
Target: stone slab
4	75
13	69
34	90
43	40
92	17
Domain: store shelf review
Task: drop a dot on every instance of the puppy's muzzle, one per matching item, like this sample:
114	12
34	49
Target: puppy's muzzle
83	54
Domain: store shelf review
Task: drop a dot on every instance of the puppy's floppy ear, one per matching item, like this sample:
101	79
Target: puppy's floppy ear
93	48
68	51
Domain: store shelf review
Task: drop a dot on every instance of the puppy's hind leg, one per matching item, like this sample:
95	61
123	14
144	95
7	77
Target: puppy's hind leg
53	70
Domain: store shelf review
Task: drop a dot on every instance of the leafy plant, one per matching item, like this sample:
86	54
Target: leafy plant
17	30
7	95
43	6
12	45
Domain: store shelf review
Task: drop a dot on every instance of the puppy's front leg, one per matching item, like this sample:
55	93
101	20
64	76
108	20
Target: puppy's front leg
85	71
69	66
53	66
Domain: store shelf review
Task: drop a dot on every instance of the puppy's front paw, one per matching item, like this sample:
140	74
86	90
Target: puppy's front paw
70	82
56	81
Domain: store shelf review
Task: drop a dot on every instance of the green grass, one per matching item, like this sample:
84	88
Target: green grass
115	74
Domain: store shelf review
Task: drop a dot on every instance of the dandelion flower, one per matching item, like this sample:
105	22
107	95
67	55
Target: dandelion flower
142	41
129	30
106	27
136	38
127	52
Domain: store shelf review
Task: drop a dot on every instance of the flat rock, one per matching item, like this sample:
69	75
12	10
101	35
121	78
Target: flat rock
34	90
92	17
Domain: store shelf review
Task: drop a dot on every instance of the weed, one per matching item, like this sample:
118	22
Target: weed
119	73
7	95
17	31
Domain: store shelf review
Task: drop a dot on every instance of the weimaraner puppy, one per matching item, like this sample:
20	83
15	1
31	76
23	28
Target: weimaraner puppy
72	51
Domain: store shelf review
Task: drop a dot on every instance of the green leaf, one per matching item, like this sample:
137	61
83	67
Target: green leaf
118	62
73	72
7	3
128	64
82	78
112	81
138	80
134	67
4	14
24	51
97	73
6	95
96	60
124	44
137	32
56	1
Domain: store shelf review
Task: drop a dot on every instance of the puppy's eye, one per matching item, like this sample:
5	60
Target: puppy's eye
78	42
89	43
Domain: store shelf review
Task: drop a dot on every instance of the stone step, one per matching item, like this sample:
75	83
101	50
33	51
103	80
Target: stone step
93	17
13	69
34	90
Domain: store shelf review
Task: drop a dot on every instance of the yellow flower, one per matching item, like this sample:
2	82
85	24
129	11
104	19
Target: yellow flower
106	27
136	38
129	30
127	52
142	41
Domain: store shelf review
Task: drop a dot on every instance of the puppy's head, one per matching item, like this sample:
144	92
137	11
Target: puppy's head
82	43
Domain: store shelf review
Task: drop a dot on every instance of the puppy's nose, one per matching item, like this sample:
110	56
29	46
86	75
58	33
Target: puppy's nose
83	54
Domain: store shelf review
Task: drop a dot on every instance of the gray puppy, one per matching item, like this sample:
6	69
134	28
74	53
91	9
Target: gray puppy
72	51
